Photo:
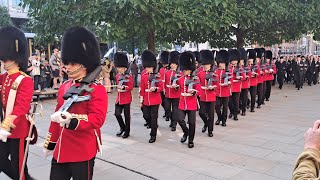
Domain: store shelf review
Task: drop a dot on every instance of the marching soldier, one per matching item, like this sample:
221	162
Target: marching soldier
172	90
245	84
16	95
315	77
188	97
165	66
274	62
253	77
234	56
207	91
270	71
150	88
74	134
223	90
259	59
281	70
124	97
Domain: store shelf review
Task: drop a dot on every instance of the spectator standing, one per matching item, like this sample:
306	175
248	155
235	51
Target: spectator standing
55	64
134	72
36	72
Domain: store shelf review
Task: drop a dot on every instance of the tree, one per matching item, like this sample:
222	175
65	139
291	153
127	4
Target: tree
5	19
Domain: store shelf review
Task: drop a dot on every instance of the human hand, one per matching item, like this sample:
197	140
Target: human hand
312	139
4	135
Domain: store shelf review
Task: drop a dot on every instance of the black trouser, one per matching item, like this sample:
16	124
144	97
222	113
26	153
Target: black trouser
222	102
118	111
163	103
75	170
309	78
135	79
315	78
150	114
259	93
264	88
172	108
36	80
268	89
243	100
14	148
253	94
49	80
274	79
234	103
207	108
280	80
192	122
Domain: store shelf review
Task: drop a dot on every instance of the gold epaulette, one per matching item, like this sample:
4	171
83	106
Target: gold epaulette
24	74
46	143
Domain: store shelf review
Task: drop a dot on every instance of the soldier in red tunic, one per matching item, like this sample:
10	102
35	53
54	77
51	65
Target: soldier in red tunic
74	135
188	97
165	67
223	90
124	98
259	58
150	88
208	83
245	84
270	71
16	95
236	79
172	90
253	77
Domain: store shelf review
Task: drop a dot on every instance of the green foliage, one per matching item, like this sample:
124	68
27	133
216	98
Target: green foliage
5	19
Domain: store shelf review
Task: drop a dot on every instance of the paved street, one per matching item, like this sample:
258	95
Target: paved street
263	145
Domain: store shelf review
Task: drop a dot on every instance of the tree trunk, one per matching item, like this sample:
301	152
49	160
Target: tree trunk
240	40
151	39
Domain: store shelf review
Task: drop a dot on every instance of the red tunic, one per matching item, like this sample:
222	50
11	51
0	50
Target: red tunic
162	73
245	83
171	93
260	75
253	78
125	97
235	83
150	98
22	102
187	102
269	75
206	95
222	91
80	144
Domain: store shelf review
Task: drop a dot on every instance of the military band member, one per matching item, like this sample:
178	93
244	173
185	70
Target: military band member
165	67
188	97
281	70
150	88
275	62
315	78
207	78
172	90
124	97
74	135
223	90
253	77
16	96
245	83
259	59
234	56
270	71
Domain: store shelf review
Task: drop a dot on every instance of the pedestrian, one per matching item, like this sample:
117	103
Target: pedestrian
43	78
150	88
124	87
55	64
134	72
106	69
16	96
74	135
281	70
35	72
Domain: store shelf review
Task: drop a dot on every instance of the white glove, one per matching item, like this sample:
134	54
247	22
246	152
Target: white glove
62	118
4	135
47	153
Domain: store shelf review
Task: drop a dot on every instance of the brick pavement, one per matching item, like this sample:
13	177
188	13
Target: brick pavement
263	145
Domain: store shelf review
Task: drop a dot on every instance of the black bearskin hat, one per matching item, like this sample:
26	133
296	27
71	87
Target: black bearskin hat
13	46
196	55
187	61
243	54
121	60
234	54
206	57
268	55
164	57
259	52
252	54
173	57
148	59
80	45
223	57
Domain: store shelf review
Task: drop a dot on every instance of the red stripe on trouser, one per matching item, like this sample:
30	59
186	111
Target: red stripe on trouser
88	170
21	156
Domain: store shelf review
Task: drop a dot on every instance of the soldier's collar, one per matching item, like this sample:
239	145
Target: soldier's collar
13	71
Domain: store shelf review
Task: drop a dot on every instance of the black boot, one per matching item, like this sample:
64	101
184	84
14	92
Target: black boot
210	134
204	129
224	124
235	118
218	122
184	138
267	99
152	139
173	128
252	110
190	144
230	115
167	119
119	133
125	135
243	114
